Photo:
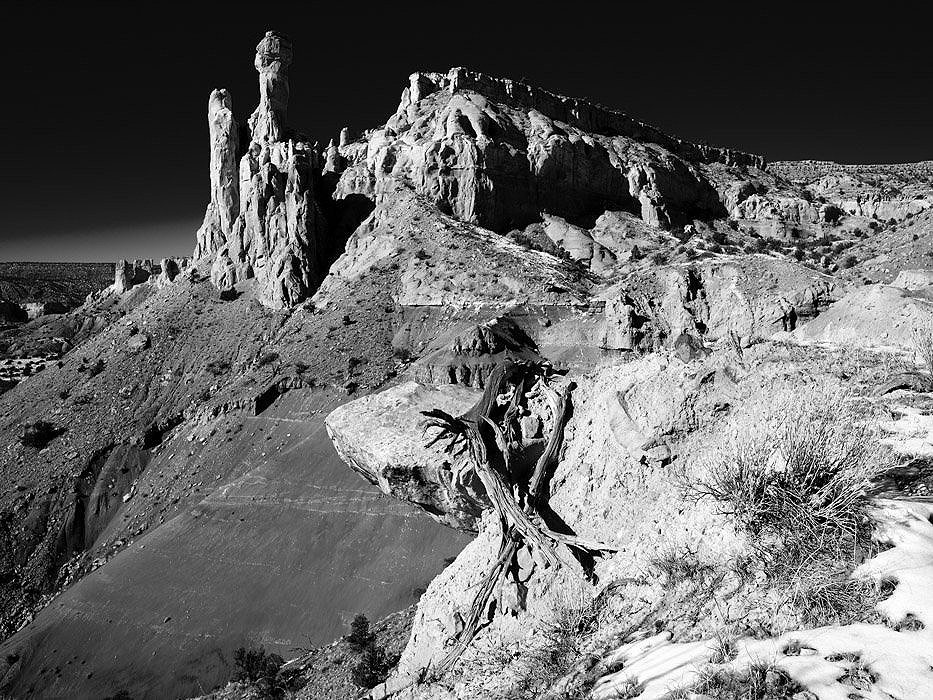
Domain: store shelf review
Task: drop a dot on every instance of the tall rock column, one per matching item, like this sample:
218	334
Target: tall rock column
273	57
224	206
264	220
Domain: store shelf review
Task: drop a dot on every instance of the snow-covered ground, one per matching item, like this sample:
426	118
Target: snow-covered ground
886	661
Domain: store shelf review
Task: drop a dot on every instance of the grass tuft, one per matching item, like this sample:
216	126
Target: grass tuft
759	681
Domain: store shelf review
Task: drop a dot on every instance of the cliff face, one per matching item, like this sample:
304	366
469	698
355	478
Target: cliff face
498	153
495	153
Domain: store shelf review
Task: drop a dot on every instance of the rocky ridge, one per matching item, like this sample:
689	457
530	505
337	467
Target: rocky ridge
508	157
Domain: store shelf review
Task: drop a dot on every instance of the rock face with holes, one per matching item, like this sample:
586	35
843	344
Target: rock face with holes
264	219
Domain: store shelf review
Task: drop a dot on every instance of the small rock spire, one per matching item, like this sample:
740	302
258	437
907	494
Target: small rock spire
333	161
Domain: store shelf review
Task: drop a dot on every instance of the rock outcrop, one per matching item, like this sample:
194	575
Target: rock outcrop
273	57
883	192
35	309
913	279
469	355
616	237
498	153
129	273
170	270
224	206
264	219
753	297
872	317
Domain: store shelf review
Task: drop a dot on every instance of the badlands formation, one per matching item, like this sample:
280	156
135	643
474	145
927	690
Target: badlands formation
673	399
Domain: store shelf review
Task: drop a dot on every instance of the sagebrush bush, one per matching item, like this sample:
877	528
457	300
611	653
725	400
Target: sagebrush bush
796	474
803	471
679	564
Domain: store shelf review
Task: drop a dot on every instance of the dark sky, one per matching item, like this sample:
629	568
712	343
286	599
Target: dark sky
104	109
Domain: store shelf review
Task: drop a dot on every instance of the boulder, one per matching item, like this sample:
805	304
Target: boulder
380	437
137	342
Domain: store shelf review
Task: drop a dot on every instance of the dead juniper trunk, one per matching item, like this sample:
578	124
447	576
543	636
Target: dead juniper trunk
486	439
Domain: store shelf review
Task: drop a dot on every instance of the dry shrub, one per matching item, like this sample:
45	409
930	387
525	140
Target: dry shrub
759	681
825	592
679	564
796	474
536	664
572	620
923	343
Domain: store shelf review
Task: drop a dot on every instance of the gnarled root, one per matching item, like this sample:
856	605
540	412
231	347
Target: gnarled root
483	437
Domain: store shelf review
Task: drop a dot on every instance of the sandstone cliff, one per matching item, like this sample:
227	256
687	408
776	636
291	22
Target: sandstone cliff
499	153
